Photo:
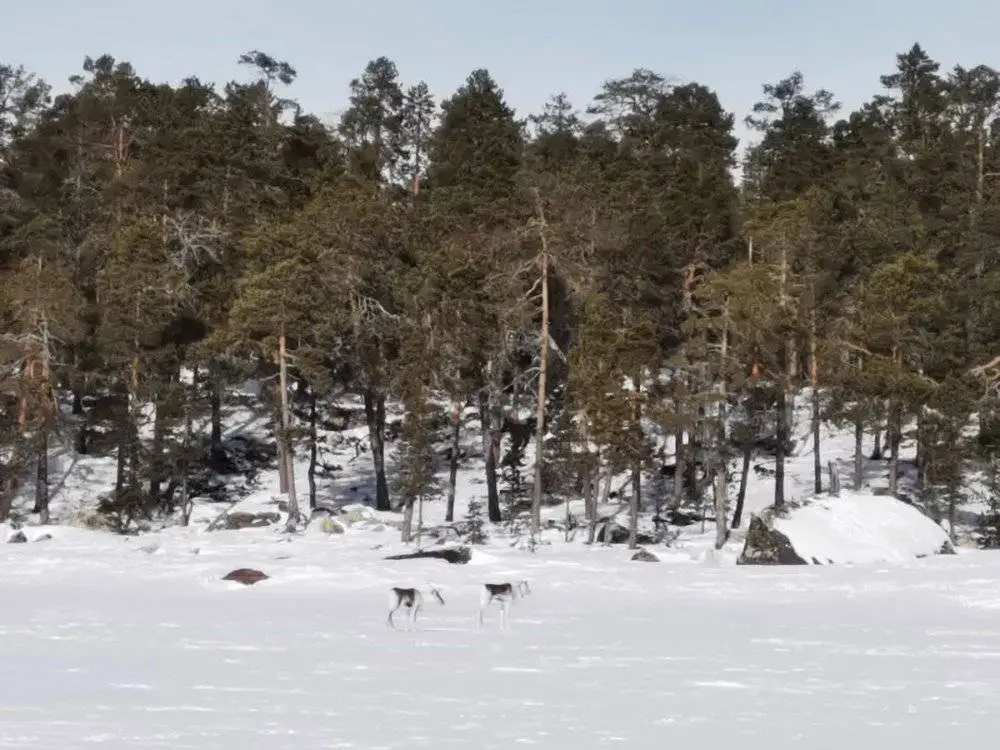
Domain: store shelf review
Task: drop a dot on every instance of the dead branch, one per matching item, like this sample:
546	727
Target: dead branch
990	369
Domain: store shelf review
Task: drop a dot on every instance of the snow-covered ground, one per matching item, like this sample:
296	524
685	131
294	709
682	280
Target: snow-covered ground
137	643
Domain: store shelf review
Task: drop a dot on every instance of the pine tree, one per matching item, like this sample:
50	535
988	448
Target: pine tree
372	127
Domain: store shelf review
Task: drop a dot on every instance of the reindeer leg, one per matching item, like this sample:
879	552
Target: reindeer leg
394	602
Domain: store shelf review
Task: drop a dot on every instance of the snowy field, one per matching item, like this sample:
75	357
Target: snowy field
136	643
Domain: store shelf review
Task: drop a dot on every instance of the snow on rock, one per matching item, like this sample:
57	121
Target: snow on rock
852	528
479	557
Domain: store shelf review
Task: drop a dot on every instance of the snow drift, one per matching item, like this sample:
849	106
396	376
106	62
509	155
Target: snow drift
851	528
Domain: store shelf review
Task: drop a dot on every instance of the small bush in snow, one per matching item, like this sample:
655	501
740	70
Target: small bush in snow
476	526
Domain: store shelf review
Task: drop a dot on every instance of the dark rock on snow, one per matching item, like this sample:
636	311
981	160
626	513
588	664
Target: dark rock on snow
610	531
765	546
246	576
645	556
18	537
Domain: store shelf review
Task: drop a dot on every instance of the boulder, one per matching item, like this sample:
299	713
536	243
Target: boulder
453	555
609	531
645	556
854	528
767	546
246	576
18	537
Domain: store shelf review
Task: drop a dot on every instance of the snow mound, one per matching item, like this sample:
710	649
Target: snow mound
481	558
851	528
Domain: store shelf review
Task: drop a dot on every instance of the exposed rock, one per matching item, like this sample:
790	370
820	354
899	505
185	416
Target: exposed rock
453	555
609	531
246	576
853	528
645	556
18	537
766	546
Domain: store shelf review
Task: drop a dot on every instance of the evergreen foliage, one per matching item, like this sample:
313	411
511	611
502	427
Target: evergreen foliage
439	256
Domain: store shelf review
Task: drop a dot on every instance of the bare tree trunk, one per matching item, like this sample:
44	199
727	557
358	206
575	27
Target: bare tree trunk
491	418
420	519
7	488
283	479
375	416
313	446
791	354
590	493
814	382
893	429
742	494
779	452
893	449
594	488
859	453
406	530
80	413
215	404
606	492
456	442
186	505
42	476
286	437
877	449
50	409
123	442
679	468
543	371
135	447
156	458
722	449
635	503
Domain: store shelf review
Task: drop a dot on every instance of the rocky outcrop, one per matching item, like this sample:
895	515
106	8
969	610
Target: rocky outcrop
853	528
609	531
767	546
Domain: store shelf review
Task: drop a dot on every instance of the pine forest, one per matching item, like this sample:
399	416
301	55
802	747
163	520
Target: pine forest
617	288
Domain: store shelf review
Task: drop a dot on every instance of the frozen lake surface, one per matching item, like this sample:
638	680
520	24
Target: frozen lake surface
137	644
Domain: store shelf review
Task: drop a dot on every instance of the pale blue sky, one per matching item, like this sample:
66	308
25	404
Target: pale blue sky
533	47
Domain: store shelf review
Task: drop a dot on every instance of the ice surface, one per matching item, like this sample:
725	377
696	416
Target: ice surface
102	644
860	528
